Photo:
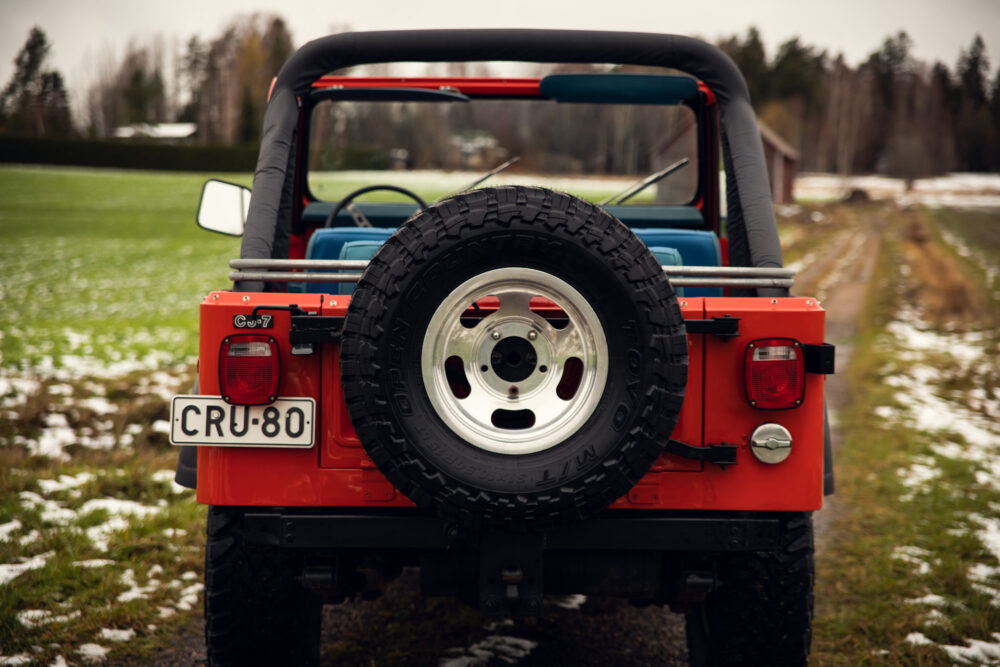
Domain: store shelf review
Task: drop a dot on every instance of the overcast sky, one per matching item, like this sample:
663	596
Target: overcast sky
82	31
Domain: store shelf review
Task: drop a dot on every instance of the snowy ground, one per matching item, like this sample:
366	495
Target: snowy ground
952	190
945	392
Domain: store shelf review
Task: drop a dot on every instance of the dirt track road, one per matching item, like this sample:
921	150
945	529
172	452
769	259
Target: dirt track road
839	278
602	631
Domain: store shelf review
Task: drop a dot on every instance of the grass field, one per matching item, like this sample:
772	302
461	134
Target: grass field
100	554
910	575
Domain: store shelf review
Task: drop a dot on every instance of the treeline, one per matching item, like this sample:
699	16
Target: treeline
891	114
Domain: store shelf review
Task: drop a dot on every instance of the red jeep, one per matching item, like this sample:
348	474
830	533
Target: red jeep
515	389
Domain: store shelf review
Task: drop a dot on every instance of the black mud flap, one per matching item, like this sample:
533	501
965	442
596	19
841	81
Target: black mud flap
187	460
187	467
828	486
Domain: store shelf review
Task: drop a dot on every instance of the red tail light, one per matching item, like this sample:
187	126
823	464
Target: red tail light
775	373
248	369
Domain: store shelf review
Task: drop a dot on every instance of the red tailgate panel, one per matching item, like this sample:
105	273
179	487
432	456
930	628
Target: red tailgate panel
233	476
337	472
794	485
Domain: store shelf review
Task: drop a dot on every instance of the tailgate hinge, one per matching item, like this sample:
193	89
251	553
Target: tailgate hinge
723	454
308	330
819	358
724	327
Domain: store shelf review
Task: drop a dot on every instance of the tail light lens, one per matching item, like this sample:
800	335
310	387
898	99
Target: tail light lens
775	373
248	369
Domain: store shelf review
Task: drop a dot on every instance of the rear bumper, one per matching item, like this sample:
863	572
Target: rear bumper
412	531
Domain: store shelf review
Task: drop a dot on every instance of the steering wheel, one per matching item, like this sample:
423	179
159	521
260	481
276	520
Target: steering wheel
359	218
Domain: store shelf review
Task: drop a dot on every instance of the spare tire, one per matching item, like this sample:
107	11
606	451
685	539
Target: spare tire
513	357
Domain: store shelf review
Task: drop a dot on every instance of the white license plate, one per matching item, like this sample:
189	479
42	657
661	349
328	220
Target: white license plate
209	420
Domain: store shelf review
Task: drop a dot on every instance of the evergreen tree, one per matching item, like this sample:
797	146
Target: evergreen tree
35	102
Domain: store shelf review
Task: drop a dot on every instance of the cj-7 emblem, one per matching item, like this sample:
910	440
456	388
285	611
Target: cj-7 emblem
253	322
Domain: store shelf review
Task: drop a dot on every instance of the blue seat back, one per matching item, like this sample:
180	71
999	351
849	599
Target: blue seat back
698	248
331	242
357	250
668	257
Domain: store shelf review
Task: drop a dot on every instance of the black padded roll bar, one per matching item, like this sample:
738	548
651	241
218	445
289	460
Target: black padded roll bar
751	226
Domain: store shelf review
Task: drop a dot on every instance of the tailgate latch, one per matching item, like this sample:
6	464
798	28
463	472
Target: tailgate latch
725	327
723	454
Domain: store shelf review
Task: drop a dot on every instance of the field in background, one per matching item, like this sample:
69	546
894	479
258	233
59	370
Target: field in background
102	273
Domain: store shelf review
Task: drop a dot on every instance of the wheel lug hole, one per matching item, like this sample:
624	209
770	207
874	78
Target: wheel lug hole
543	369
484	368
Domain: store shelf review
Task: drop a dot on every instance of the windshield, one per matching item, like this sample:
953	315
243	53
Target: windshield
593	151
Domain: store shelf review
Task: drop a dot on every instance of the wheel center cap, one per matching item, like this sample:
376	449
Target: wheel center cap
513	359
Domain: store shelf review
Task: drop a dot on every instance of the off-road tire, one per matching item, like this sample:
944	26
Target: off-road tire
463	237
256	612
762	612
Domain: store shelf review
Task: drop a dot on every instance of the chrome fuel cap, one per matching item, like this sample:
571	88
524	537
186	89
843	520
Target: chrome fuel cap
771	443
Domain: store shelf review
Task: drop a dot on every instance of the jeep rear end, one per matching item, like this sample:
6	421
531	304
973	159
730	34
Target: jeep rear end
508	387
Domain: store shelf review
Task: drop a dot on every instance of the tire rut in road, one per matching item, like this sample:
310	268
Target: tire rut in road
844	272
402	628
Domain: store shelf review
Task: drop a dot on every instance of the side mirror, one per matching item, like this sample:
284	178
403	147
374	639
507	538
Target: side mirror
223	207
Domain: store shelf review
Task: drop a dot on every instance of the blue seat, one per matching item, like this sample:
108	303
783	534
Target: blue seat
334	242
363	250
698	248
669	257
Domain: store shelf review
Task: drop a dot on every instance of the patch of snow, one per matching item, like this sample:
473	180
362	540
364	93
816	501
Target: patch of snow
189	597
93	653
49	510
957	190
65	482
917	639
155	571
118	510
175	532
931	600
98	405
976	651
571	601
19	659
918	476
166	612
189	575
161	426
29	539
113	635
501	647
886	412
56	435
913	556
10	571
33	618
94	562
7	528
935	618
59	662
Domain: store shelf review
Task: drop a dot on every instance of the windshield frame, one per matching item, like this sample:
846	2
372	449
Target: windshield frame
702	105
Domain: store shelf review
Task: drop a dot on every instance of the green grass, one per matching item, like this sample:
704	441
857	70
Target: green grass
865	585
104	265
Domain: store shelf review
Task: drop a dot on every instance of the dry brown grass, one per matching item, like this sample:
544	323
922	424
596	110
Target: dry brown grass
949	298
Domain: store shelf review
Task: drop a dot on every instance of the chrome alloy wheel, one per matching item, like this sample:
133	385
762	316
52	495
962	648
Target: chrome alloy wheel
514	382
